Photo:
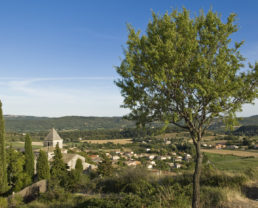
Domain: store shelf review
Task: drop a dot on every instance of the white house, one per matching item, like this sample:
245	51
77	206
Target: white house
71	159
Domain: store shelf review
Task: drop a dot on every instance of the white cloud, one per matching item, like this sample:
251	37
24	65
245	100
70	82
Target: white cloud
37	97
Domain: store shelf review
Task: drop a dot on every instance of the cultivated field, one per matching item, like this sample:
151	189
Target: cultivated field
232	152
103	141
232	163
18	145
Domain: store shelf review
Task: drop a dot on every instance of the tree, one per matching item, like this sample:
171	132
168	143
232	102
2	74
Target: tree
75	176
43	171
78	166
29	157
58	169
3	170
17	178
105	166
186	72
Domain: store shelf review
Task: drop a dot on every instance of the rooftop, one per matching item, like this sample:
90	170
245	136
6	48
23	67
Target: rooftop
53	135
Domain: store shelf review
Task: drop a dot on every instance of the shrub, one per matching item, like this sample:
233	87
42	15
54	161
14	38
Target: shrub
221	179
3	202
212	197
169	196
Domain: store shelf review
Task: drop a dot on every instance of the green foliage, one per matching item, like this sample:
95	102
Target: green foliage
185	60
32	124
220	179
170	197
3	171
162	165
185	71
58	169
115	201
43	171
105	167
3	202
78	166
23	180
55	196
212	197
17	178
16	201
29	157
250	130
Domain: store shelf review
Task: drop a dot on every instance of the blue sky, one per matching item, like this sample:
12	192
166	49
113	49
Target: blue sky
57	57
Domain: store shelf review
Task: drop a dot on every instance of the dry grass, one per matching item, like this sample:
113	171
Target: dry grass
236	200
232	152
103	141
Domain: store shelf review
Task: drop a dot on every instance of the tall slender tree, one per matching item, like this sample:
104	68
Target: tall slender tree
43	171
3	168
58	169
29	157
79	166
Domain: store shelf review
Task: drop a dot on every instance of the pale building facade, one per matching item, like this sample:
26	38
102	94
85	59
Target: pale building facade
52	139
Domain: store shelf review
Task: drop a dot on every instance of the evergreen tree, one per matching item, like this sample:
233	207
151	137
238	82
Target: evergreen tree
42	166
3	169
58	168
105	167
29	157
78	166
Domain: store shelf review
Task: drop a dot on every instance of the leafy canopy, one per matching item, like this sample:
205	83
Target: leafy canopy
185	69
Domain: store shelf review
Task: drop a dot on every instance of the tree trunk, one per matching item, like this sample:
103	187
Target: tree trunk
196	176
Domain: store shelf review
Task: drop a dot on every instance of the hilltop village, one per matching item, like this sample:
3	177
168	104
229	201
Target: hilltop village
148	158
158	155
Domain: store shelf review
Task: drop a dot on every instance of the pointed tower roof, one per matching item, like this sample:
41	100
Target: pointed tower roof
53	135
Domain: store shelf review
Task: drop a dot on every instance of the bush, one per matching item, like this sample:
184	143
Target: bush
114	201
212	197
221	179
3	202
16	201
129	180
170	196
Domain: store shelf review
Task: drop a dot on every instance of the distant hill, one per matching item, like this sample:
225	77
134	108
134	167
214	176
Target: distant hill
218	125
35	124
249	121
248	130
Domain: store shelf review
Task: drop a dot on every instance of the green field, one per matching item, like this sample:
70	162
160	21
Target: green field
19	145
232	163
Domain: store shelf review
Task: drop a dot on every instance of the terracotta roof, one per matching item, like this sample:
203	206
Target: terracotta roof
53	135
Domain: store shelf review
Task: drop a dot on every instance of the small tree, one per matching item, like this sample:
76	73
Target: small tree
105	167
29	157
184	71
3	171
43	171
79	166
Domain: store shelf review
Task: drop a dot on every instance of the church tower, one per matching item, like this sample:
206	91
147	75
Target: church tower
52	139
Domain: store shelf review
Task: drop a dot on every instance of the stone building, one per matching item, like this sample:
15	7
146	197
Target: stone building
52	139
